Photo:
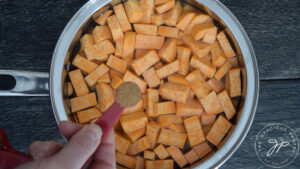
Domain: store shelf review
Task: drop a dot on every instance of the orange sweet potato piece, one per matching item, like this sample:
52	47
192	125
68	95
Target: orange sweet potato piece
134	135
167	31
184	20
183	55
211	104
133	121
68	89
140	145
146	29
129	45
198	19
149	155
207	119
215	84
101	20
189	8
101	33
151	78
177	127
226	104
233	80
130	77
167	120
140	163
134	12
172	138
222	70
165	7
198	84
205	66
234	62
152	131
116	81
148	41
152	97
168	69
115	28
171	17
178	79
92	78
207	32
218	130
148	9
83	102
86	40
135	108
191	156
122	17
161	152
140	52
202	149
174	92
191	94
88	115
78	82
228	51
159	2
167	107
99	50
218	56
177	155
117	64
199	48
161	164
125	160
105	96
194	130
191	108
145	62
121	143
168	51
105	78
84	64
157	19
119	48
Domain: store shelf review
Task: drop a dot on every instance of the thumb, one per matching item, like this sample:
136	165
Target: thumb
80	147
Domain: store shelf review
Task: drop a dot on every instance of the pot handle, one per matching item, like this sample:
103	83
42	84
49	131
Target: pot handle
23	83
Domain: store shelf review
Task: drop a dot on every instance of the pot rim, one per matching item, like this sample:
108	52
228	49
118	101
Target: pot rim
251	98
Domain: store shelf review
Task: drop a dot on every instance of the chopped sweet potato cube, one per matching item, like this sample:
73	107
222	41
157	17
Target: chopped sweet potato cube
218	56
101	33
151	78
171	17
165	7
135	108
167	31
161	152
168	69
148	41
198	84
99	50
228	51
101	20
119	48
83	102
184	20
117	64
206	129
68	89
233	82
78	82
222	70
177	155
148	8
122	17
211	104
84	64
194	130
167	120
191	108
92	78
105	78
205	66
140	145
105	96
161	164
198	19
145	62
88	115
133	121
115	28
234	62
178	79
149	155
140	163
116	81
158	65
168	51
158	2
199	48
218	130
152	131
86	40
183	55
125	160
207	32
134	12
140	52
167	107
157	19
191	156
215	84
174	92
207	119
152	97
172	138
202	149
227	105
129	45
134	135
146	29
121	143
177	127
130	77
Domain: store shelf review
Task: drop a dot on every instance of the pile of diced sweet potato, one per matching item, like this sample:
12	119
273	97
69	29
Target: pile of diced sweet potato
185	67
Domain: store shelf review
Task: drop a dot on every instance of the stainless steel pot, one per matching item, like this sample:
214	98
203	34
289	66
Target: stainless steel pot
36	84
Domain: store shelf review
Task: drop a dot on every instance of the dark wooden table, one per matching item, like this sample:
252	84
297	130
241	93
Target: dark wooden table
30	29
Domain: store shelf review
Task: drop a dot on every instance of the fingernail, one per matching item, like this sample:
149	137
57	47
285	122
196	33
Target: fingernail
94	132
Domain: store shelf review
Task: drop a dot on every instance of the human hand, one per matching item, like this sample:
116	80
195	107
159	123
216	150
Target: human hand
82	143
